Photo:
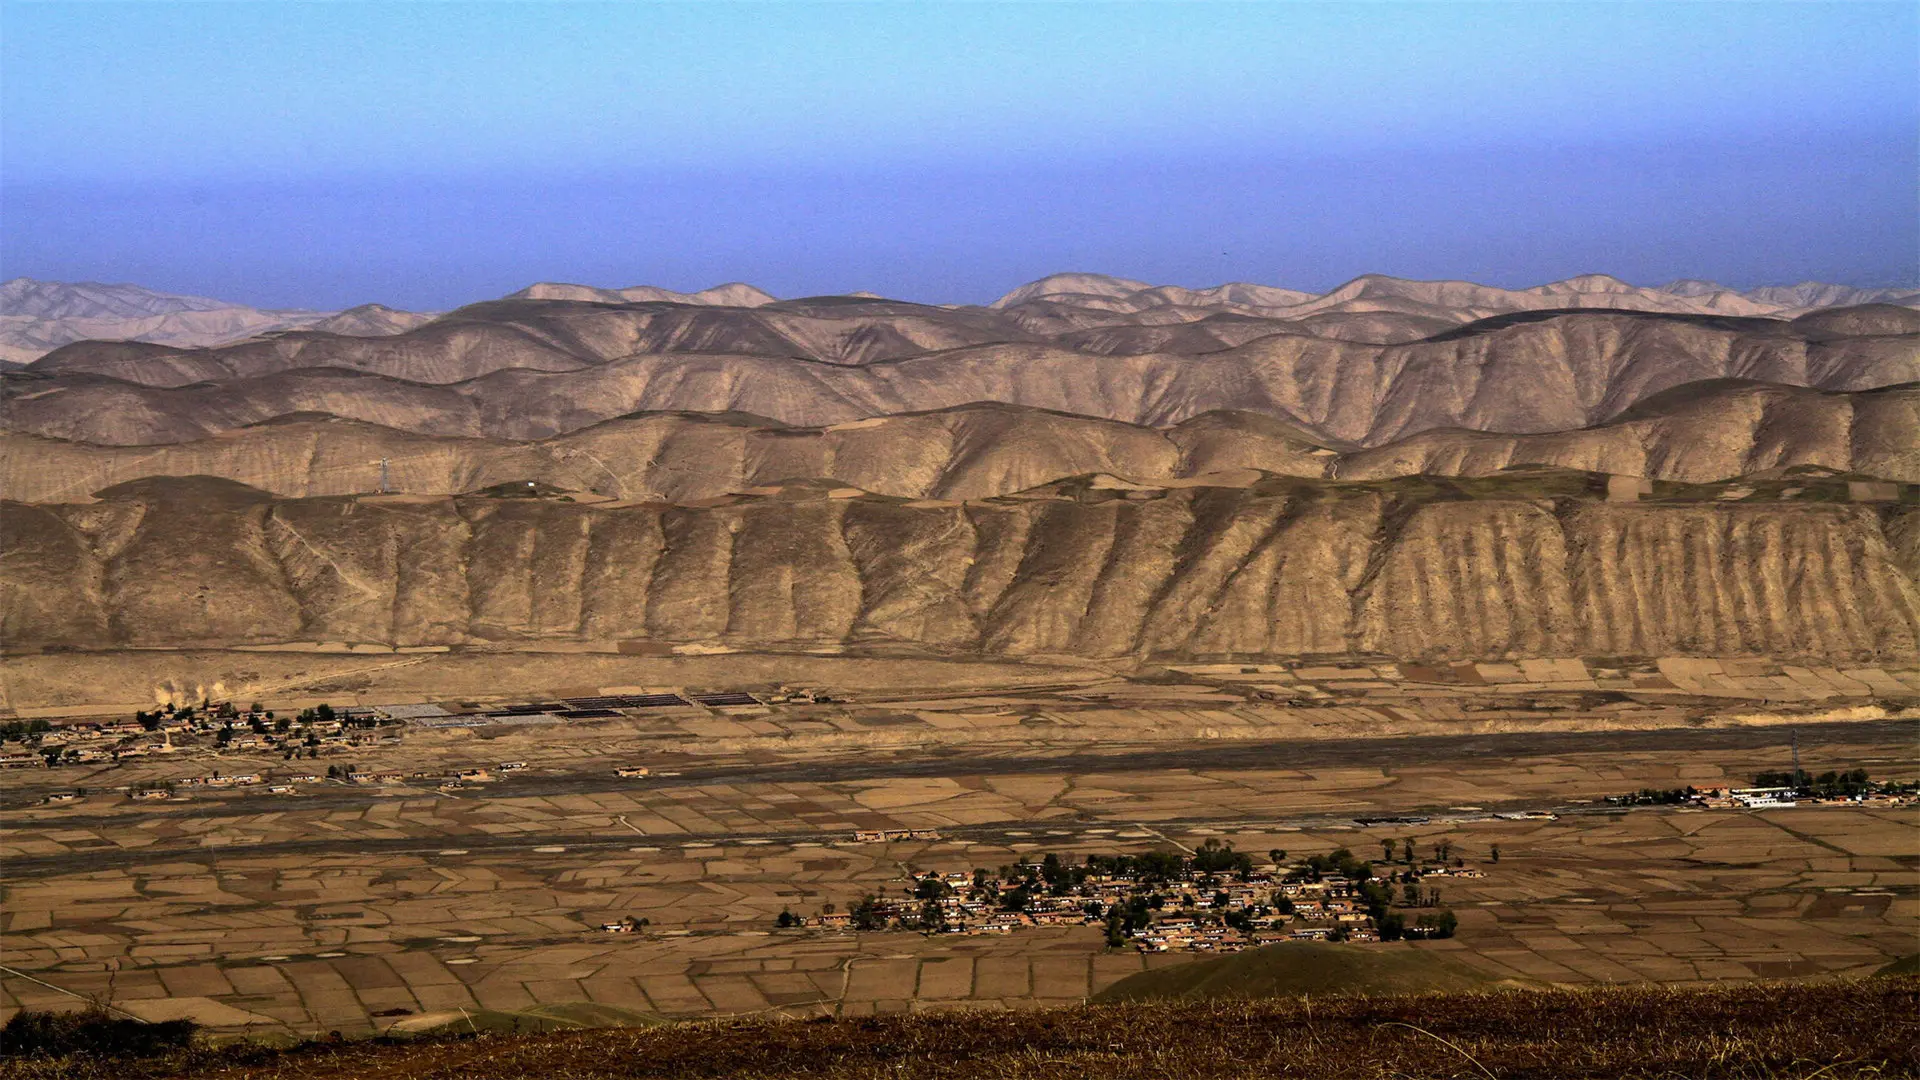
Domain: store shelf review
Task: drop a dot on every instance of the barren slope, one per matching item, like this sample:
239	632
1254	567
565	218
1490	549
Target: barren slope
1285	567
531	370
1699	433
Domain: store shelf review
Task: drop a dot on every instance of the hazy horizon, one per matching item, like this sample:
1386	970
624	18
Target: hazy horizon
325	156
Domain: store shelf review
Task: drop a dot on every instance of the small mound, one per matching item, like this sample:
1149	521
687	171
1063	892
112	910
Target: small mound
196	488
1862	320
1906	966
540	1018
1300	968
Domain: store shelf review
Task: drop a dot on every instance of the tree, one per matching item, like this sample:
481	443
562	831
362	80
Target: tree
1052	871
1215	857
933	917
1159	866
1386	849
1496	853
867	914
786	920
1406	851
1278	855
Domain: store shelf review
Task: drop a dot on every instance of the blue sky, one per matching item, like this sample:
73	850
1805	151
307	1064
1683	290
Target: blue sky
426	155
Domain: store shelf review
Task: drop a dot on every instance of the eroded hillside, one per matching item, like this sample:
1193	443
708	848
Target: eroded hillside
537	369
1697	434
1530	565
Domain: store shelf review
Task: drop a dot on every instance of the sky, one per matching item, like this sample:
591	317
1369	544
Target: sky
426	155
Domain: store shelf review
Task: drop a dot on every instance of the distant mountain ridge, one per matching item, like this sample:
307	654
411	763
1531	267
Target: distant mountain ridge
94	300
37	317
732	294
1587	290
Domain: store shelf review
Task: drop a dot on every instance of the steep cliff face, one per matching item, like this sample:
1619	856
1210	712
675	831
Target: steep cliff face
1284	567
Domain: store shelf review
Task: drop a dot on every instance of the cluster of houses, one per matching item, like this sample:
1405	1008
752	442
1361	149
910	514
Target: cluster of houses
1850	789
1770	797
883	836
1184	905
211	727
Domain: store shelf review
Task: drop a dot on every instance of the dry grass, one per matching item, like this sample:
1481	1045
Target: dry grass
1852	1029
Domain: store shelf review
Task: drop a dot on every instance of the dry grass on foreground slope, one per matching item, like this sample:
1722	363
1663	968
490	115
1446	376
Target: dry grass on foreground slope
1832	1030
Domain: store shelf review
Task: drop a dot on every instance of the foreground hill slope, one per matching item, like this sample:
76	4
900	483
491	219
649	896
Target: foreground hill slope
1300	969
1699	433
1526	565
1838	1030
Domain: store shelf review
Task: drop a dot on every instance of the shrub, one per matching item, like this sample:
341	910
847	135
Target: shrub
91	1031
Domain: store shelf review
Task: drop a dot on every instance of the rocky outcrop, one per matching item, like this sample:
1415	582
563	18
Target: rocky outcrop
1281	568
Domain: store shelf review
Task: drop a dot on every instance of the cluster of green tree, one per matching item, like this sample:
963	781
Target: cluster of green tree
1149	866
93	1031
868	914
1123	920
1827	785
1656	797
21	730
1392	925
1214	857
1339	863
1403	851
151	720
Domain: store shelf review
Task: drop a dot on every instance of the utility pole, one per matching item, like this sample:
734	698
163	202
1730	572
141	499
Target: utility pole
384	489
1793	736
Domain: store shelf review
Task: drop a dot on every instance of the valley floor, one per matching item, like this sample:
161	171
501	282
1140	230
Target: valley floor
352	907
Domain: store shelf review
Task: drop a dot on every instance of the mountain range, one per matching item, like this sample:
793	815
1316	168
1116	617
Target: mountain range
1088	466
37	317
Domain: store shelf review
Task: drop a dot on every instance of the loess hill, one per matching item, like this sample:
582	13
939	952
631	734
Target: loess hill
1088	466
1528	563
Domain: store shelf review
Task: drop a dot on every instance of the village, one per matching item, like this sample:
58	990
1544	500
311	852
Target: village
217	729
1215	899
1780	790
